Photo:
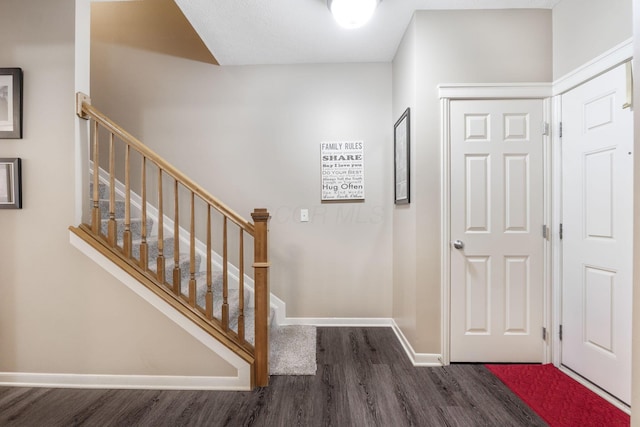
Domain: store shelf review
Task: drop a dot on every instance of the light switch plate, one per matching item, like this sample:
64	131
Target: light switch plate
304	215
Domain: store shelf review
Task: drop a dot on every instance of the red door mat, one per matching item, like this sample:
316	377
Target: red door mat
559	399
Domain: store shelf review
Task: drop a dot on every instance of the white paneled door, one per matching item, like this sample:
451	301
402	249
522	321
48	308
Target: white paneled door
597	212
496	230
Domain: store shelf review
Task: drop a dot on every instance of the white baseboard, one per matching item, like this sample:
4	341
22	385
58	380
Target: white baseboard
418	359
156	382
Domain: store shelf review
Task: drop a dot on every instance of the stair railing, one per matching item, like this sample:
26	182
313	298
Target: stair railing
119	141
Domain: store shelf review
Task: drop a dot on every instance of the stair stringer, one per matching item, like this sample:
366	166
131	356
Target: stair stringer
278	305
240	382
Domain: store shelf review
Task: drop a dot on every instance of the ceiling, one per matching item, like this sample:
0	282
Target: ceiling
242	32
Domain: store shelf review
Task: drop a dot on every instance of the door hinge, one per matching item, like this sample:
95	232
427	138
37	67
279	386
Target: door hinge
544	333
545	128
561	232
544	232
560	333
560	130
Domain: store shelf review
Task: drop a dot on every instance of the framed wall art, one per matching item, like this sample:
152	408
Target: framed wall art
10	103
342	164
401	170
10	183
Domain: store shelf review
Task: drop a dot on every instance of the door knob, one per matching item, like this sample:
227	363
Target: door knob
458	244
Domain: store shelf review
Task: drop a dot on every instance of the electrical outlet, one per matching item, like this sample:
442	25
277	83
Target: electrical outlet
304	215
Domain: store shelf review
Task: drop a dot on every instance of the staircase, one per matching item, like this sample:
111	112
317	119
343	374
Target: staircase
176	261
153	245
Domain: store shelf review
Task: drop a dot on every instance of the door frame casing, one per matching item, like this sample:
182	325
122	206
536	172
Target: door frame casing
448	93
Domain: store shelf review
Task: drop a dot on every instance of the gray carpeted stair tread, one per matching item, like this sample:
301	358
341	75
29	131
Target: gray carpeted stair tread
135	227
152	248
169	263
103	190
119	209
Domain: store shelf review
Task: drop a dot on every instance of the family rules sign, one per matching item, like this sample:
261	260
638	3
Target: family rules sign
342	168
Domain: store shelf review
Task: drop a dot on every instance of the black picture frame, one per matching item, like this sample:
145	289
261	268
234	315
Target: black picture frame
10	103
402	159
10	183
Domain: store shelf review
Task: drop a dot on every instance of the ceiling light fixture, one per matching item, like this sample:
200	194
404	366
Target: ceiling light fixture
352	13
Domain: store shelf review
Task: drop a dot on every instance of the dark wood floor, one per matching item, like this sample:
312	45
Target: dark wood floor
364	379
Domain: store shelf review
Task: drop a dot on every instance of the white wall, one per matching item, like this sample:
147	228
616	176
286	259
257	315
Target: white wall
480	46
59	312
251	136
584	29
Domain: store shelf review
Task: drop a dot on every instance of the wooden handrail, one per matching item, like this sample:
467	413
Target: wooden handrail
95	114
219	327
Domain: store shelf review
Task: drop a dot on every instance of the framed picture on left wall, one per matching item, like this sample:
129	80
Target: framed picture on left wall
11	103
10	183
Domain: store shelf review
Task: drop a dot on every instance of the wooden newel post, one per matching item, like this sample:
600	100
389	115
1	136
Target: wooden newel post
261	282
